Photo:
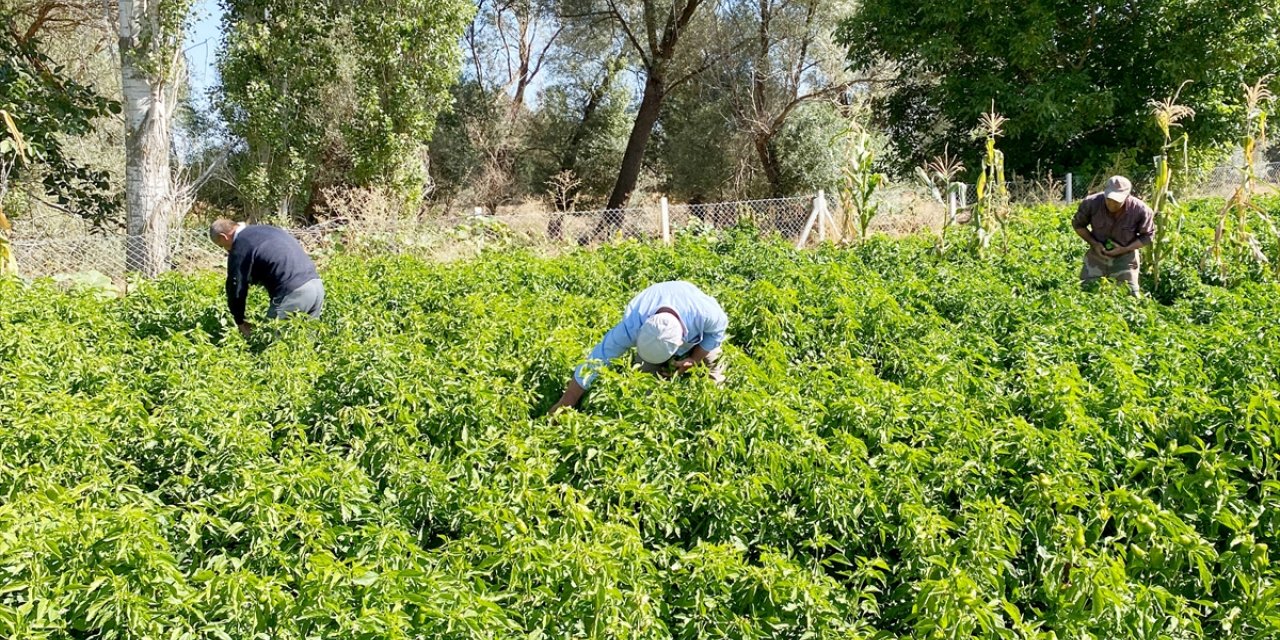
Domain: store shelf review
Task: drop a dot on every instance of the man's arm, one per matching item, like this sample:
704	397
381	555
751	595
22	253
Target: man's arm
1128	248
615	343
572	395
1088	237
238	268
1080	222
696	355
712	337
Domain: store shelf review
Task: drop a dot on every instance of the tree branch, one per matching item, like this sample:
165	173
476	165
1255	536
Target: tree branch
626	28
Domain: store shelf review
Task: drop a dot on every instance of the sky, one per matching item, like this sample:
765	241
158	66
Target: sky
202	41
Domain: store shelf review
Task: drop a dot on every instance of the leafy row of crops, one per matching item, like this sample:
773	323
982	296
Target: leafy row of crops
908	446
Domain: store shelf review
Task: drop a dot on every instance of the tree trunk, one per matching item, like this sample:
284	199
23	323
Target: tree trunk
569	160
633	158
769	162
147	172
763	135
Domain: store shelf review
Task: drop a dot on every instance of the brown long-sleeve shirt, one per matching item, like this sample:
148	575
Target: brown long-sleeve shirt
1134	221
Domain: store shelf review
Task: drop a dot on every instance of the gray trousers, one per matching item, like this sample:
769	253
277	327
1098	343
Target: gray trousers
1123	270
308	299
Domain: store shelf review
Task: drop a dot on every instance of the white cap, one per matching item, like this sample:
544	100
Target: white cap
659	338
1117	189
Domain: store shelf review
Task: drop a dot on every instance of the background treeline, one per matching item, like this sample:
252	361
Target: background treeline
441	104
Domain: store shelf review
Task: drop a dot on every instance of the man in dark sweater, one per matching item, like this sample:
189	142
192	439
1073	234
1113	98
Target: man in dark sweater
268	256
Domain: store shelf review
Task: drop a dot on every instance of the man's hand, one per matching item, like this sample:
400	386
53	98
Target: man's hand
1096	247
245	329
698	354
572	394
1120	251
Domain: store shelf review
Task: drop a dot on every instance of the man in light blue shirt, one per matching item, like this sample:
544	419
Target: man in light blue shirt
671	325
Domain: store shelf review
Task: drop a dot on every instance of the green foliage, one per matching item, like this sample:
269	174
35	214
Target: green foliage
1168	217
1073	77
579	128
46	107
157	43
909	445
698	144
457	152
808	160
939	176
327	93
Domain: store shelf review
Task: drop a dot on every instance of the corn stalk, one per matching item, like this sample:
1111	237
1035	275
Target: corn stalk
859	185
939	177
1167	115
991	209
1232	236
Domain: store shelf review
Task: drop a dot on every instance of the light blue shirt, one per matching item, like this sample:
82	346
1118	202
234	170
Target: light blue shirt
704	324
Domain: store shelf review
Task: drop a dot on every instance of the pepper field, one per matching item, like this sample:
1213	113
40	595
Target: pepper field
908	446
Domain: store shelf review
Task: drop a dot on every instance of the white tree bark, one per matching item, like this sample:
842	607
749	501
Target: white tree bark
147	114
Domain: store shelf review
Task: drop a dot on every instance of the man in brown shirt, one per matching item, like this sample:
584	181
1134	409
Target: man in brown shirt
1116	224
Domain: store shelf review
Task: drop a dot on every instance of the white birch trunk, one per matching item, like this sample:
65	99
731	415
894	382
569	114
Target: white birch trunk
147	172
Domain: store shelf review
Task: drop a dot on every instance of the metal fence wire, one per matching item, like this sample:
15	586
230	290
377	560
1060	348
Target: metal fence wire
52	250
46	247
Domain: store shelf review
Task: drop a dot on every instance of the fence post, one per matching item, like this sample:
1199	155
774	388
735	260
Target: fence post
951	204
666	221
1186	166
820	205
1070	188
964	195
479	211
816	211
826	212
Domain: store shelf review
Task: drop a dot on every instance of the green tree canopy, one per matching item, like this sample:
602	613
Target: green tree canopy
1074	78
45	106
325	92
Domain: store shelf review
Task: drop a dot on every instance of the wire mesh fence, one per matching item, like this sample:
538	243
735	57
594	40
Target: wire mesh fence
53	250
51	246
784	217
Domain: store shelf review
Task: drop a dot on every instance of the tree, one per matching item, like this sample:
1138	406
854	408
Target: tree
322	92
581	127
45	108
507	46
1073	78
793	61
723	132
150	66
657	34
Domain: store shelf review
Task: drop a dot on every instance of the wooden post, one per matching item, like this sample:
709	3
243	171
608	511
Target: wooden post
666	222
820	206
808	223
964	195
1186	161
951	204
825	212
1070	188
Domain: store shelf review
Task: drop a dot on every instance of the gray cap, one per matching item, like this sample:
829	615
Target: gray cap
1118	188
659	338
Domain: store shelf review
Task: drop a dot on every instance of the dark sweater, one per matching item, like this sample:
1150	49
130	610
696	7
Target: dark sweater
266	256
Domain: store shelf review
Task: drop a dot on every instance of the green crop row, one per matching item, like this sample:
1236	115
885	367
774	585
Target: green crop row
909	445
